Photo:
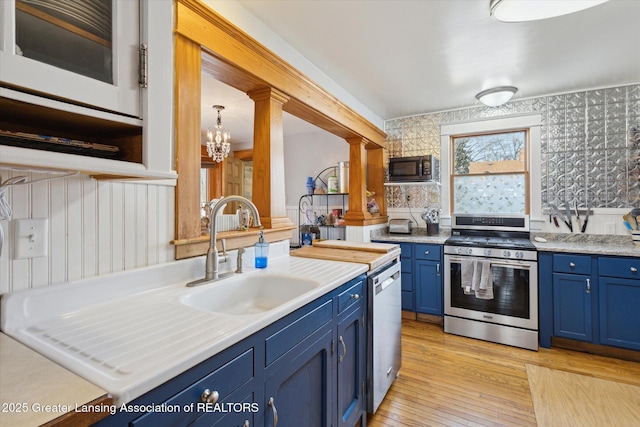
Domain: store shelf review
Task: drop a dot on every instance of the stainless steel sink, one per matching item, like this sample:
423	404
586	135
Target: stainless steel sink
250	294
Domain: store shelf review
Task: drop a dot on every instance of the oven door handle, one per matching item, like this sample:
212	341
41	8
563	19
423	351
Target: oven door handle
519	264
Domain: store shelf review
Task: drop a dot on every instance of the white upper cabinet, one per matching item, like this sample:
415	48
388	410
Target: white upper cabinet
69	87
86	52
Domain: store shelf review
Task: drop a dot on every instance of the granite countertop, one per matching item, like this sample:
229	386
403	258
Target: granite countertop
596	244
418	235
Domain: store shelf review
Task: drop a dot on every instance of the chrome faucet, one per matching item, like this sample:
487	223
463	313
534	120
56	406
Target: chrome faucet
211	266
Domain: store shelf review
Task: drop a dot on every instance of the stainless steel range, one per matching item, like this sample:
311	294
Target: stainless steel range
491	280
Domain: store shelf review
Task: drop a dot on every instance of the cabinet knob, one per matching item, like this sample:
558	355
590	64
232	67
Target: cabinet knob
246	423
355	296
572	265
634	270
426	252
209	396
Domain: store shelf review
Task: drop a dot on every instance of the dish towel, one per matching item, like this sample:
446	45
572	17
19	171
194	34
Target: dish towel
467	267
485	284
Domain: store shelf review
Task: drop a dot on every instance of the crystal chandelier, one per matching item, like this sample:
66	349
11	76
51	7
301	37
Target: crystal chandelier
218	145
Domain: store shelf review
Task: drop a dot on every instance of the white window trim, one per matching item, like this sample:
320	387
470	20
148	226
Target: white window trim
529	121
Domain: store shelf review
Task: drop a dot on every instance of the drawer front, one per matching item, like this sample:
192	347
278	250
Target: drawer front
223	380
428	252
569	263
351	296
406	250
286	338
626	268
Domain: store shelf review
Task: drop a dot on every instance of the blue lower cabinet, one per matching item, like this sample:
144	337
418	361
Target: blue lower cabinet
351	361
299	392
306	369
572	307
620	312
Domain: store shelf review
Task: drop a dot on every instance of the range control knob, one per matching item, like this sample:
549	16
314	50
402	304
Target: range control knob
469	251
506	254
487	252
458	250
519	255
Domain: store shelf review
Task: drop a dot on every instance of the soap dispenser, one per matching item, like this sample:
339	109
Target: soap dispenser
261	252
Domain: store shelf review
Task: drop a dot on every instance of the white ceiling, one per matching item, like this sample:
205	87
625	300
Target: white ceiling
408	57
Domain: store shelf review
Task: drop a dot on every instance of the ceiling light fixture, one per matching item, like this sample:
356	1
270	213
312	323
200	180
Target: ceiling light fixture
532	10
218	145
496	96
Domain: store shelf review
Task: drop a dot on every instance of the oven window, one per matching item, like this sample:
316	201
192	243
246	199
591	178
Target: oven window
510	292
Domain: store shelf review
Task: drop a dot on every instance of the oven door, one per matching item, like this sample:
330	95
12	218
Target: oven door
515	293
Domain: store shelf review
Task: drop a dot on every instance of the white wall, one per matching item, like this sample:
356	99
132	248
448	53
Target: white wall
94	228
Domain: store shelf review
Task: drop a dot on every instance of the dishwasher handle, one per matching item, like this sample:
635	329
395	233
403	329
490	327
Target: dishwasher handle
382	286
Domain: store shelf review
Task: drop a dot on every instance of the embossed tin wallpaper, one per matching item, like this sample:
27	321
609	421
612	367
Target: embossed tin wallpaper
588	152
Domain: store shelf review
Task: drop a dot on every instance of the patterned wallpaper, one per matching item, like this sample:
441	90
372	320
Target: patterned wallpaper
588	152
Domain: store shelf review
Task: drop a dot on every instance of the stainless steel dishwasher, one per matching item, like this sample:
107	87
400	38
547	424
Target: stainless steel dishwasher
383	338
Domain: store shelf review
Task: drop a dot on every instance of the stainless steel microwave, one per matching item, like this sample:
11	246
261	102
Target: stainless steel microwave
417	168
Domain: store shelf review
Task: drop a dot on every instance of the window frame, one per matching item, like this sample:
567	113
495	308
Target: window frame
526	172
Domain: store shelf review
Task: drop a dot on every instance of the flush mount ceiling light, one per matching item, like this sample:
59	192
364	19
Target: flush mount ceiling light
531	10
218	145
496	96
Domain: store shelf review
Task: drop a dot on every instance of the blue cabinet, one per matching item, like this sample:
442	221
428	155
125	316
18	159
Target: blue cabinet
590	298
428	278
351	365
308	368
421	277
299	389
619	287
572	307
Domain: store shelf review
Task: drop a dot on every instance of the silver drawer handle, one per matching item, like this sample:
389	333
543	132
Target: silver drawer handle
209	397
344	348
354	296
426	252
275	411
634	270
572	265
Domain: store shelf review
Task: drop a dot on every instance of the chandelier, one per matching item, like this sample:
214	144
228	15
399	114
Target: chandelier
218	145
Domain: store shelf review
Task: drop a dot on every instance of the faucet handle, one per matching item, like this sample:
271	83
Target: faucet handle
223	242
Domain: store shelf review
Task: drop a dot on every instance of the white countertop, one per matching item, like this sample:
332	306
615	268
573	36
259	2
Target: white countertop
128	332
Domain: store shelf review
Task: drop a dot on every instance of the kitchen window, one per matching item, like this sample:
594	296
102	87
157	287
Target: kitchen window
490	173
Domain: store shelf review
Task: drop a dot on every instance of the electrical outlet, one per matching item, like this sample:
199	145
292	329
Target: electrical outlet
610	228
408	197
31	237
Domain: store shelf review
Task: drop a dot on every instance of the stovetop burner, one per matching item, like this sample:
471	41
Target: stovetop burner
519	242
508	232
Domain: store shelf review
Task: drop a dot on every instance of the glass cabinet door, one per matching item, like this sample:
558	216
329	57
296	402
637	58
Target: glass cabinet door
85	51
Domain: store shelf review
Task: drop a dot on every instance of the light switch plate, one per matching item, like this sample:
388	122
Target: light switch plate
30	238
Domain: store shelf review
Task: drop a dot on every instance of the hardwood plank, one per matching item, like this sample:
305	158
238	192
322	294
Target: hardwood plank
448	380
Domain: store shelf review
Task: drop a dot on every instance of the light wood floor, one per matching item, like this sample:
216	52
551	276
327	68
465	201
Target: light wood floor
447	380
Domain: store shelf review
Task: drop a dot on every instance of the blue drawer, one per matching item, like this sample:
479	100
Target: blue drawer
428	252
626	268
570	263
351	296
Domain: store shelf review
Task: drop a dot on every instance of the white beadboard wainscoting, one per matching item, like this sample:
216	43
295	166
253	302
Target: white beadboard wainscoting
94	228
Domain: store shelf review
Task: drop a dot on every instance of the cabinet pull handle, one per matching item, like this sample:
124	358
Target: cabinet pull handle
344	348
355	296
634	270
572	265
438	269
588	286
246	423
275	411
426	252
208	396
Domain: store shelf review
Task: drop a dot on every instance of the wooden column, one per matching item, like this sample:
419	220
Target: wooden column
357	213
268	191
375	176
187	134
